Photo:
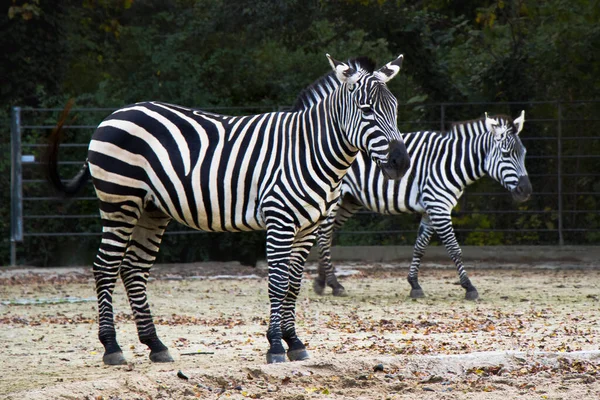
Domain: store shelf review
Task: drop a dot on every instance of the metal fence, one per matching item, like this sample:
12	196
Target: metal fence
562	139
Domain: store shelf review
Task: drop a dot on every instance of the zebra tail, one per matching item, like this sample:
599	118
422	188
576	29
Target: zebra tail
71	188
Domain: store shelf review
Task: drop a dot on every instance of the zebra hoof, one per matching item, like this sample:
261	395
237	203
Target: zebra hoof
275	358
114	359
319	287
161	357
417	294
298	355
472	295
339	291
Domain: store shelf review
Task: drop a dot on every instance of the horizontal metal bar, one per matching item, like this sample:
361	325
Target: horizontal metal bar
59	216
555	156
530	175
514	102
393	232
469	212
32	109
538	138
454	213
276	106
555	175
582	193
44	181
489	212
51	234
65	145
59	163
66	234
388	232
499	194
58	198
191	231
534	193
64	126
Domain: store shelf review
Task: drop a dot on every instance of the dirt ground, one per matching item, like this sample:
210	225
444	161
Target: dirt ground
534	334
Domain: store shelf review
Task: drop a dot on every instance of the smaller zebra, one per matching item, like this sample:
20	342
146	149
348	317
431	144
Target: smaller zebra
443	165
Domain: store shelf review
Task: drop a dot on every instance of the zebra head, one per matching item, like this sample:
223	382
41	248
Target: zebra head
505	162
369	113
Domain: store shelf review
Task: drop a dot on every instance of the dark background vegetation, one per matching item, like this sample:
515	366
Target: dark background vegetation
260	54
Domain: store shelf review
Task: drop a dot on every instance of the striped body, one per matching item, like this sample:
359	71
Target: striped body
443	165
197	168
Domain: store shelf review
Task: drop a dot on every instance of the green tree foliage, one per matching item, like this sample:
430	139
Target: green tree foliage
261	54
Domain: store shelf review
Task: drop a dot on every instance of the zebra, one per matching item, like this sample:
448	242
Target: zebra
443	165
154	162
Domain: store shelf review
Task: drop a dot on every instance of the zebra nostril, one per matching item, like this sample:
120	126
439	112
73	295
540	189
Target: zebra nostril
518	189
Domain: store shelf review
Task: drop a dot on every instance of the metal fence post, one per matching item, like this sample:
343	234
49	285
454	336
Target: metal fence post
16	185
561	240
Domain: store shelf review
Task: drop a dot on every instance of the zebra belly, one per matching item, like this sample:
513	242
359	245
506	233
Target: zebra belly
387	197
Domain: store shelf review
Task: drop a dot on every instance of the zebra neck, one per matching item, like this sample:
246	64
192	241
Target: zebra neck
473	138
323	138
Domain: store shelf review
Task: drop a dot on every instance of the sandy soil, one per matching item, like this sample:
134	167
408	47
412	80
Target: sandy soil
533	335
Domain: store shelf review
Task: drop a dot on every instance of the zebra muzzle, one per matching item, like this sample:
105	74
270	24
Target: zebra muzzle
522	192
398	161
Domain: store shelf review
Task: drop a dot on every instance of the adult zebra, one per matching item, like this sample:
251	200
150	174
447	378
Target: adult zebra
154	162
443	165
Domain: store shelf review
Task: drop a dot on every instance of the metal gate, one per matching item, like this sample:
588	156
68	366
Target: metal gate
562	139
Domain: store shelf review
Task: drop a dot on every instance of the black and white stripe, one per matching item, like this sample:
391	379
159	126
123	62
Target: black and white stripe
154	162
443	165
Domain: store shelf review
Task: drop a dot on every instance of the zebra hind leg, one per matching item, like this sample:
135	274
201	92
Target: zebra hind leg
471	291
455	252
343	210
325	271
115	237
140	256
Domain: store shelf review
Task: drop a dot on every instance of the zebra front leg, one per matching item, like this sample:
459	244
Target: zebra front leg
106	270
279	246
443	225
423	237
296	349
141	253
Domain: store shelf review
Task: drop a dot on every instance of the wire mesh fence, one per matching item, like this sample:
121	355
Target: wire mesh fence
563	154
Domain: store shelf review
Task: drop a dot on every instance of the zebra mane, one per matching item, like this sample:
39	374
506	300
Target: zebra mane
328	83
499	117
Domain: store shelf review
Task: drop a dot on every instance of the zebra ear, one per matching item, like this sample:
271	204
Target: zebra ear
519	122
344	72
389	70
492	125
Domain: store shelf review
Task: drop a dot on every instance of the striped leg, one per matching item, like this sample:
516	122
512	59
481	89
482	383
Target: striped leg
140	256
280	238
423	237
296	349
442	222
115	236
345	209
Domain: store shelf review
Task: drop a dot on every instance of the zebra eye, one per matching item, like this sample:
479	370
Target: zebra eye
505	153
366	109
